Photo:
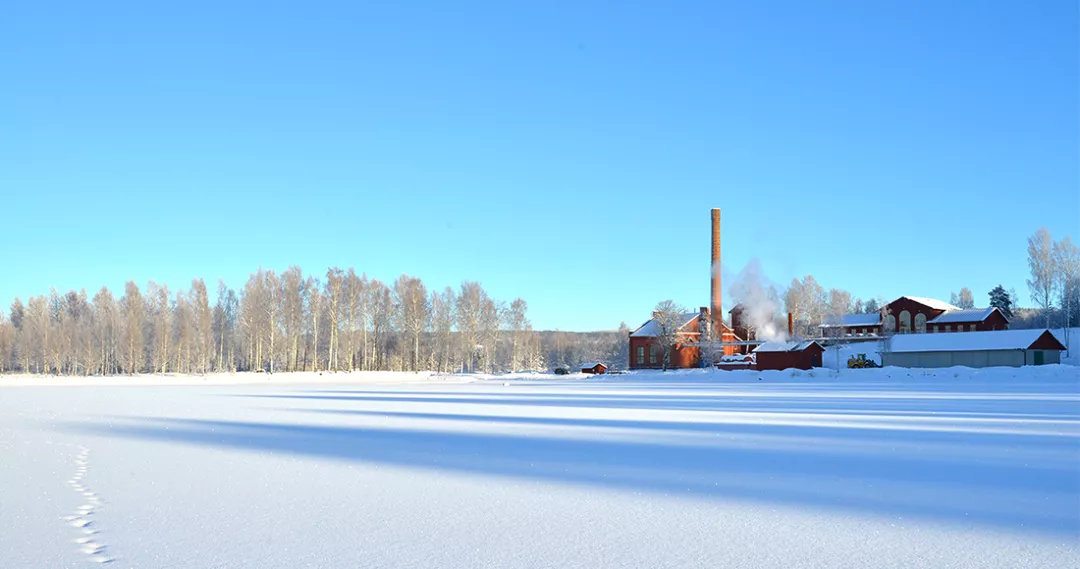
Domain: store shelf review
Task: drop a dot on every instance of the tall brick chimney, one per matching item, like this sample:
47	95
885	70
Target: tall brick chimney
716	305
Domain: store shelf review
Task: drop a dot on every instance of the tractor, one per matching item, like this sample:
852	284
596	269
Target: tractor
861	362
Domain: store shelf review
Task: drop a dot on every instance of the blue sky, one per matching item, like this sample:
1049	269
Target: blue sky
567	153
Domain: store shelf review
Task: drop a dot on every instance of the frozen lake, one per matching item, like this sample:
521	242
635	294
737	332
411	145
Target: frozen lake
873	468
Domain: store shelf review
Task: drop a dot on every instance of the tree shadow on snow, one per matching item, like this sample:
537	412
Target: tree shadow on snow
1007	479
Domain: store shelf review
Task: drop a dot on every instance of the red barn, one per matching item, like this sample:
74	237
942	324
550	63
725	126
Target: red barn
788	355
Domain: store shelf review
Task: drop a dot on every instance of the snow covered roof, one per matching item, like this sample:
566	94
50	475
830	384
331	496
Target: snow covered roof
590	365
967	341
931	302
784	346
968	315
651	329
873	319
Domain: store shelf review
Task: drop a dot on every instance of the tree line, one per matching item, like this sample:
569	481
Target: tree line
290	321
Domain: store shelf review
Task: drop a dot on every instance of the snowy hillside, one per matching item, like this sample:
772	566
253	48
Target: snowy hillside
862	468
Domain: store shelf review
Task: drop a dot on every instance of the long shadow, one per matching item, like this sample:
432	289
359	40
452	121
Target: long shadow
873	437
1004	495
988	409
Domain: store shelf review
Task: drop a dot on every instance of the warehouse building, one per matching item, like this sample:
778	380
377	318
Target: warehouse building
1012	348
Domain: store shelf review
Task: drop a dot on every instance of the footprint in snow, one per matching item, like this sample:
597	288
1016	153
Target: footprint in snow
88	543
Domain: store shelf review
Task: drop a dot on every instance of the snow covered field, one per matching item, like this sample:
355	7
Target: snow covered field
868	468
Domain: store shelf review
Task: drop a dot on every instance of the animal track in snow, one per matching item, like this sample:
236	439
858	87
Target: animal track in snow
89	542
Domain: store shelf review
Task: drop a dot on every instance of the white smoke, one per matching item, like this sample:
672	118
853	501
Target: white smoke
760	301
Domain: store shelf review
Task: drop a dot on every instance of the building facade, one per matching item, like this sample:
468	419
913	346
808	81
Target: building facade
915	315
647	353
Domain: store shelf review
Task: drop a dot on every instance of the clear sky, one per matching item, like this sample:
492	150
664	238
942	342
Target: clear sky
564	152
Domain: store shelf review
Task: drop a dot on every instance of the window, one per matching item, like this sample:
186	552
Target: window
905	322
935	329
972	328
920	323
641	354
946	328
890	323
652	354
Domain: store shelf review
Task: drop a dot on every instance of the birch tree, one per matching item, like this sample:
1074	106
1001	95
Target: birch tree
203	324
442	324
1043	271
411	300
133	310
518	323
1066	257
314	310
106	328
293	286
468	306
334	279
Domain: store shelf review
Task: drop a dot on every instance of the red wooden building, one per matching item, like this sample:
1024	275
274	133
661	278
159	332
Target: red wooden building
912	314
594	368
788	355
646	353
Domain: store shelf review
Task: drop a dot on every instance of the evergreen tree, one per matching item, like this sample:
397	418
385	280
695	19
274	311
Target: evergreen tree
1002	301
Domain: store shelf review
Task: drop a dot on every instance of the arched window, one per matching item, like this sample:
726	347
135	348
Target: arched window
920	323
905	322
890	323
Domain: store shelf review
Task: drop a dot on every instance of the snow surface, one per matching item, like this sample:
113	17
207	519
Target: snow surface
965	341
651	329
931	302
783	346
968	315
854	320
697	468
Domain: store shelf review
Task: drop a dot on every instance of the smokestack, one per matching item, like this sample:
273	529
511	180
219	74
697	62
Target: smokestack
716	303
790	325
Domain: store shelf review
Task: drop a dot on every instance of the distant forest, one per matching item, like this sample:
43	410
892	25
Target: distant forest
288	322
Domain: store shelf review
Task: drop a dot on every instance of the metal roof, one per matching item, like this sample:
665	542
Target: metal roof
967	341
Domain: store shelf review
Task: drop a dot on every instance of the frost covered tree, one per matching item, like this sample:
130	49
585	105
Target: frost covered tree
292	289
871	306
668	318
518	320
963	299
381	321
203	325
1067	264
469	303
412	311
335	278
133	311
442	326
314	304
106	329
1043	271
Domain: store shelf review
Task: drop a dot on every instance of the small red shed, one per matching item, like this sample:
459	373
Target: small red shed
593	367
789	355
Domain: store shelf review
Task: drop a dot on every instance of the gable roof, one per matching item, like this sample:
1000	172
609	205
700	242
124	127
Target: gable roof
590	365
785	346
974	341
931	302
964	315
873	319
651	329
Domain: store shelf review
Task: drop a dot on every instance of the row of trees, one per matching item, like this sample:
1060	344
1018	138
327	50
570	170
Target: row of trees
1055	277
277	322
